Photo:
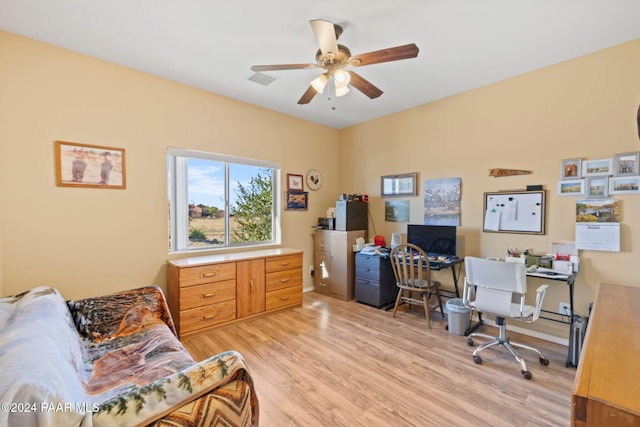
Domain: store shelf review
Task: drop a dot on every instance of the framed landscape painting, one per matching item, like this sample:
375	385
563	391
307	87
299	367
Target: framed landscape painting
597	186
574	187
624	185
597	167
83	165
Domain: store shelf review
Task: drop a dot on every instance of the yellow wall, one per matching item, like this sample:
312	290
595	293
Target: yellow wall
93	241
581	108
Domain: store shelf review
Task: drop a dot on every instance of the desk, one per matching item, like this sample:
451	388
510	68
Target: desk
441	265
607	385
569	279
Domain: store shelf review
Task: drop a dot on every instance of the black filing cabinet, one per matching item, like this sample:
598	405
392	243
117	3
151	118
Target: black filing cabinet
375	283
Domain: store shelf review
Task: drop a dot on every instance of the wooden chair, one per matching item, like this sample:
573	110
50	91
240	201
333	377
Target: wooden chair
413	276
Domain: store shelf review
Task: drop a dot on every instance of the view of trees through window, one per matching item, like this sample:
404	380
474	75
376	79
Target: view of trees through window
218	203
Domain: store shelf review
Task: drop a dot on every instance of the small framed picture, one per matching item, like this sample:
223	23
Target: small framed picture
624	185
574	187
626	164
84	165
597	186
397	210
571	169
295	182
399	185
597	167
297	200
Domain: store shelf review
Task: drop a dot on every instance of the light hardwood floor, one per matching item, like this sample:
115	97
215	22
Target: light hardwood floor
335	363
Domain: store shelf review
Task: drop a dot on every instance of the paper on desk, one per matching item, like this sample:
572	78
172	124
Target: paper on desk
492	220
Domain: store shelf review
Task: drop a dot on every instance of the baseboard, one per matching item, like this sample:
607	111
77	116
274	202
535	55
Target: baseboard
529	332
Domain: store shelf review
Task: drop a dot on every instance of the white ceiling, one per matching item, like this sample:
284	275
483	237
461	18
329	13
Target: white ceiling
211	44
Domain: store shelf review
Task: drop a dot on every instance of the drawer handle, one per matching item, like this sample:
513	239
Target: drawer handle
207	275
209	295
251	287
285	280
285	263
284	298
209	317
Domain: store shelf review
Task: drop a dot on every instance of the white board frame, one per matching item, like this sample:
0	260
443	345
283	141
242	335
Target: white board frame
525	216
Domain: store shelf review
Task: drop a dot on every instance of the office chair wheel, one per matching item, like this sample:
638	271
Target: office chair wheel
544	362
527	375
477	360
470	342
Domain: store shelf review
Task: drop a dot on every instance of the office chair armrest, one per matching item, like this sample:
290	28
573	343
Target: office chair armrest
466	294
540	292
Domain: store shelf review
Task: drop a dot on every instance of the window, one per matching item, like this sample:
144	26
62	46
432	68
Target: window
218	201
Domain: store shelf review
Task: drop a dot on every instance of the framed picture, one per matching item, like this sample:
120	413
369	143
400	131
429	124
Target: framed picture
297	200
624	185
396	210
83	165
574	187
399	185
626	164
571	169
597	167
597	186
295	182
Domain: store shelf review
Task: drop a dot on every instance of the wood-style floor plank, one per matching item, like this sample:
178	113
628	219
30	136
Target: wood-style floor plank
335	363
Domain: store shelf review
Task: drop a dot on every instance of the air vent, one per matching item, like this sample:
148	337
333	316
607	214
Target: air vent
262	78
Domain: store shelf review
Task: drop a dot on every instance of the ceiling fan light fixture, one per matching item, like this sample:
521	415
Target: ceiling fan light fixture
320	82
342	78
341	91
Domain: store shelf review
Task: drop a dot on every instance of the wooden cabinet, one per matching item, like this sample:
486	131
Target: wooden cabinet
250	284
607	384
334	262
209	291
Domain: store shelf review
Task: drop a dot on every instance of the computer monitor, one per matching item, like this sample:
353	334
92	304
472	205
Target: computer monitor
433	239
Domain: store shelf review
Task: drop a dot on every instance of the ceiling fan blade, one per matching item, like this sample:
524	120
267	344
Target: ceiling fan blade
385	55
282	67
308	96
326	35
364	85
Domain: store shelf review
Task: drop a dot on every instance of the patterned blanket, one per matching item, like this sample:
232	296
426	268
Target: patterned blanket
112	360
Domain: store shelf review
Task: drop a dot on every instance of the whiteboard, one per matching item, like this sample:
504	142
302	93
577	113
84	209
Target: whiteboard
514	212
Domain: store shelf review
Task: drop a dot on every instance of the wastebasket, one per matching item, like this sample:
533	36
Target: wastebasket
459	316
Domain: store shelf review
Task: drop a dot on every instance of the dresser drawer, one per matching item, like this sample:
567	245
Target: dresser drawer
284	297
206	316
283	279
286	262
368	261
207	273
209	293
368	274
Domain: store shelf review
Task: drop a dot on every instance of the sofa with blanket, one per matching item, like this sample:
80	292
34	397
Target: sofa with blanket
113	360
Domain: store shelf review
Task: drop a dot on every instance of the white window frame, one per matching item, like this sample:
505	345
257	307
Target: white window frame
179	205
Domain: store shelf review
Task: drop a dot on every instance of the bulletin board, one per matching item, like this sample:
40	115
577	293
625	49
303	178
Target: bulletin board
514	212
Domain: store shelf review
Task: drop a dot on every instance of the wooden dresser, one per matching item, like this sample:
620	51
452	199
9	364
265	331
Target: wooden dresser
208	291
606	391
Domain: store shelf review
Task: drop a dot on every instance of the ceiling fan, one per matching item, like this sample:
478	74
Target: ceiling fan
334	58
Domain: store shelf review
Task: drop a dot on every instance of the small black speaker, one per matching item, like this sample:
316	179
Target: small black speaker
534	187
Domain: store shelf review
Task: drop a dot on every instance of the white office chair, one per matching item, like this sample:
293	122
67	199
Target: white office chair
494	283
